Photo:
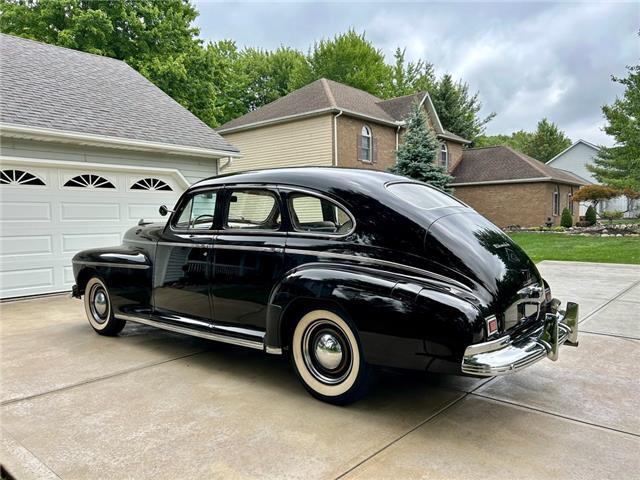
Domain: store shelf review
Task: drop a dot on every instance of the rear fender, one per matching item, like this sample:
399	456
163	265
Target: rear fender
393	316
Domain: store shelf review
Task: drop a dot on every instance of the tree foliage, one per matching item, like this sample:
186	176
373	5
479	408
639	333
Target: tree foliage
347	58
418	152
595	193
545	143
458	109
619	166
406	77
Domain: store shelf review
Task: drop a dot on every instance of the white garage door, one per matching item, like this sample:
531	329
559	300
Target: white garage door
50	210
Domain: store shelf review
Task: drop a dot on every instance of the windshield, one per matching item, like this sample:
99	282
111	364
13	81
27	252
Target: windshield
422	196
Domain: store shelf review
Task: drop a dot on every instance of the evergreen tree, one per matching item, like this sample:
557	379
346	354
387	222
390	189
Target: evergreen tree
590	216
418	152
566	220
619	166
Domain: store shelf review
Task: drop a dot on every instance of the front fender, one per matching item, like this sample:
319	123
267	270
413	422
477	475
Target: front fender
126	270
400	322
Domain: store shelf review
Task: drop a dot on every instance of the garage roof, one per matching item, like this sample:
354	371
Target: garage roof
502	164
51	88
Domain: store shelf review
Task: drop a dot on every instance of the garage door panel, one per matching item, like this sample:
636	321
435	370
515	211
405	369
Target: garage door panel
15	281
25	245
147	211
72	243
25	211
71	211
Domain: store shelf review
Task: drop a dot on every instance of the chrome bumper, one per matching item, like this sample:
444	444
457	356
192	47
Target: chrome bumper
504	355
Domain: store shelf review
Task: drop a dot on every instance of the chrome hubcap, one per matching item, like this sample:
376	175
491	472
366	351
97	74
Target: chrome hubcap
100	303
328	351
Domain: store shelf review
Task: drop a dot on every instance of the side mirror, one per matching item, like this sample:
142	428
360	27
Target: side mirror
164	210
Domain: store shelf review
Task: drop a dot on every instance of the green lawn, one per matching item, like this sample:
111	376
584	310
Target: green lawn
559	246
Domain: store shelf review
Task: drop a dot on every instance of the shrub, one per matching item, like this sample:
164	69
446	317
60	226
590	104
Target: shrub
567	219
612	215
590	216
583	223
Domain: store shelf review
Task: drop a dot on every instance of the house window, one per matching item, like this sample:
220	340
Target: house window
556	200
365	144
89	181
444	156
18	177
152	184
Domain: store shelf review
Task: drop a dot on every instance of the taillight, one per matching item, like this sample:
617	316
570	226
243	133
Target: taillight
492	325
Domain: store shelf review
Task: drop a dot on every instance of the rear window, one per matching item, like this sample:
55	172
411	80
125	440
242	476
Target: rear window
422	196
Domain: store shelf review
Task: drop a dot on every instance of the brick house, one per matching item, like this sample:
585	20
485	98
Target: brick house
511	188
327	123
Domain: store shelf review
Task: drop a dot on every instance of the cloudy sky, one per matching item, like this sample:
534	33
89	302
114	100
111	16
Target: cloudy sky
528	60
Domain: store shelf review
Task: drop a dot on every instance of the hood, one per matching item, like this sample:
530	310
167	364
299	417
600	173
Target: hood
498	269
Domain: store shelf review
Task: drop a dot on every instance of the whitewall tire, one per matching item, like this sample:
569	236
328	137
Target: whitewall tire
97	305
327	358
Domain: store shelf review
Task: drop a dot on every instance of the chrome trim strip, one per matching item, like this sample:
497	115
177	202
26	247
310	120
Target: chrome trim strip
377	261
109	264
186	244
249	247
194	333
273	350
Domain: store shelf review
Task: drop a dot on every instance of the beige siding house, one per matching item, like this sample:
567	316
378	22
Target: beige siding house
327	123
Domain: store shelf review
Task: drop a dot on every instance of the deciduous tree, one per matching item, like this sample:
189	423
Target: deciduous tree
619	166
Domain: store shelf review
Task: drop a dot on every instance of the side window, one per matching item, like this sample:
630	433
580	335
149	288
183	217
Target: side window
253	209
318	215
198	212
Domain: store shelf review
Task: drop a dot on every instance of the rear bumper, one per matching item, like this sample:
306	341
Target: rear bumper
505	355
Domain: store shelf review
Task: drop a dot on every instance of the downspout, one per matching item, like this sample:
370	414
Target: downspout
335	139
397	140
227	164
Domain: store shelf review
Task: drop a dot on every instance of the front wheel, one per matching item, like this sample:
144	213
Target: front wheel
328	359
97	305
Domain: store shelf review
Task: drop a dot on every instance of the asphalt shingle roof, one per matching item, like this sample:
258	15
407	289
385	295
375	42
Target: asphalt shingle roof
326	95
503	163
58	88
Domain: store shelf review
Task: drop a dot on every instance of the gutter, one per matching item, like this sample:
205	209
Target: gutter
335	139
50	134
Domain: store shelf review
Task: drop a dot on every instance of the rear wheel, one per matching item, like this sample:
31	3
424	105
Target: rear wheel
327	358
97	305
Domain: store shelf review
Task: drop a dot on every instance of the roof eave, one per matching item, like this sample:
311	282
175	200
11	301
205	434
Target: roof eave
49	134
300	116
454	139
517	180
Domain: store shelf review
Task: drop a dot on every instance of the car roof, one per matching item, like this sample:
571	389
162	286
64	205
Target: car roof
316	178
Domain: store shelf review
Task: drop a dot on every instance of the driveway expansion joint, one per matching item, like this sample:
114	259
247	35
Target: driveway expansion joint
98	379
559	415
610	301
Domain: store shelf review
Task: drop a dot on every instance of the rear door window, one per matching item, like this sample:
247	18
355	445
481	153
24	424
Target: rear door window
318	215
253	210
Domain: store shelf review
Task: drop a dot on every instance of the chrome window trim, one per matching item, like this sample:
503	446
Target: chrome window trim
174	215
313	193
108	264
266	187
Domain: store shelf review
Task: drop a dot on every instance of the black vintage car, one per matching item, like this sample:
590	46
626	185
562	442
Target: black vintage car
344	269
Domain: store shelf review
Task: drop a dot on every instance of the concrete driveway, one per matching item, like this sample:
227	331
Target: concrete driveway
150	404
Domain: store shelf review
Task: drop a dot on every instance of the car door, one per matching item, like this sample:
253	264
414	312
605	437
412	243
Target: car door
248	255
183	262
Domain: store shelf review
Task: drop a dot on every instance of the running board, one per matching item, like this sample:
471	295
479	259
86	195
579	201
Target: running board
243	342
